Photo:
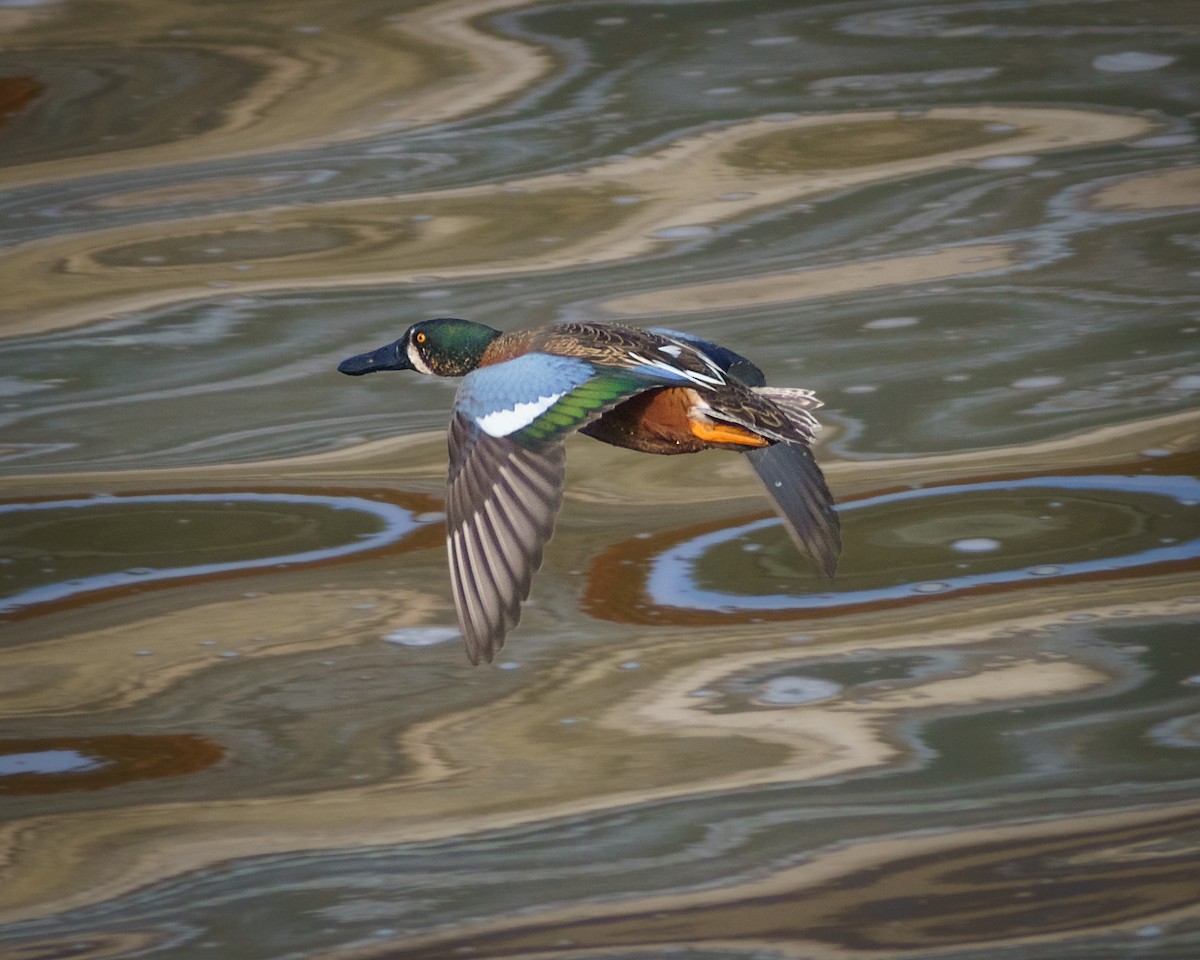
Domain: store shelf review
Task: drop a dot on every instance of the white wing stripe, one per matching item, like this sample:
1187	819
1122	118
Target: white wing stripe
500	423
700	379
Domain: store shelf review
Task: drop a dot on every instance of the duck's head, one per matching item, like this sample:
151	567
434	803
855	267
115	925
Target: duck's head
444	347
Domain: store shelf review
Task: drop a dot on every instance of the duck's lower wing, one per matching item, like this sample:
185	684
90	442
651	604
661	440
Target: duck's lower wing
506	477
799	494
501	501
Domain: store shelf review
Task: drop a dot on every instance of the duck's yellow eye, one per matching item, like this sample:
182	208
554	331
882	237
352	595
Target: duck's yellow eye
420	338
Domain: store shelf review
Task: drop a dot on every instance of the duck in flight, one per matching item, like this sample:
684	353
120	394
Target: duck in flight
655	391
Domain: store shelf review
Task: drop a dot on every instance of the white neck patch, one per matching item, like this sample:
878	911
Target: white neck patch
414	358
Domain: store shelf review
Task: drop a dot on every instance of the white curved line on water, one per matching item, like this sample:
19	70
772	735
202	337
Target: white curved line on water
396	523
671	582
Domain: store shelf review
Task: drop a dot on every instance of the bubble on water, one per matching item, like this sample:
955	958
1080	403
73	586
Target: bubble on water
509	665
1037	383
610	21
422	636
1164	140
721	91
860	388
631	665
1190	381
930	586
772	41
627	200
975	545
1009	162
793	690
1131	61
684	232
891	323
1156	452
956	377
1045	570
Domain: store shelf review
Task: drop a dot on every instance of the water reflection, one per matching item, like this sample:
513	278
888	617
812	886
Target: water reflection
58	764
1115	534
971	228
52	534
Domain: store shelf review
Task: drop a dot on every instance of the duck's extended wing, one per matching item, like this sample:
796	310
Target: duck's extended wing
506	478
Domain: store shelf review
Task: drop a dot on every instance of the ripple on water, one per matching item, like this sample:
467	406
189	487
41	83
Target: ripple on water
225	533
794	690
1131	61
695	578
422	636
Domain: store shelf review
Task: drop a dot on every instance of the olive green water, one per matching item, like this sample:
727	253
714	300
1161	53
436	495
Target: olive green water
235	716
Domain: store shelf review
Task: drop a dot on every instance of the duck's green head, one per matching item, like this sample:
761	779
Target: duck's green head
444	347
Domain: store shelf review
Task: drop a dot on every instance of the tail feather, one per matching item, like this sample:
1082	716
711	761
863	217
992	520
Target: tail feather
799	494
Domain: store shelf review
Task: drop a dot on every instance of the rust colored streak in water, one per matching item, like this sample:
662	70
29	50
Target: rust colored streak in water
117	759
616	581
1067	883
16	93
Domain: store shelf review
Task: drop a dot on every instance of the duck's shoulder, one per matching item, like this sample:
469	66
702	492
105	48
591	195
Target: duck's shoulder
607	344
601	343
509	346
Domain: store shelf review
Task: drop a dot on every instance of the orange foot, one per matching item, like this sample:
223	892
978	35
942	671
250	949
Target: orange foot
727	433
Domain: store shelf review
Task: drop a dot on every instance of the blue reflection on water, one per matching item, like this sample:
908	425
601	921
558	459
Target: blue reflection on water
396	523
671	581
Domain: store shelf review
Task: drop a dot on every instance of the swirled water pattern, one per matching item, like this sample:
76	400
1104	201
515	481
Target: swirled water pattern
671	580
235	720
393	523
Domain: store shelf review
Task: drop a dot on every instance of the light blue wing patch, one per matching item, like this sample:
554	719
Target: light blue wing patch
504	398
539	398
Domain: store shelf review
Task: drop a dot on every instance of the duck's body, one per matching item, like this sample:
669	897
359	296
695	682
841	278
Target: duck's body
655	391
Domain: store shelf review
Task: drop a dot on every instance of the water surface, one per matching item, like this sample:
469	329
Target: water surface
235	717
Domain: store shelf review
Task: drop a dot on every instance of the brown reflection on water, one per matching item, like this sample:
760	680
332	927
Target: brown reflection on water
107	761
16	94
963	889
617	585
581	735
306	73
1002	767
695	183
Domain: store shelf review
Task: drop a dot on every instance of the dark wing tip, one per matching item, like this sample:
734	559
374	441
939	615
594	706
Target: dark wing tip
798	491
